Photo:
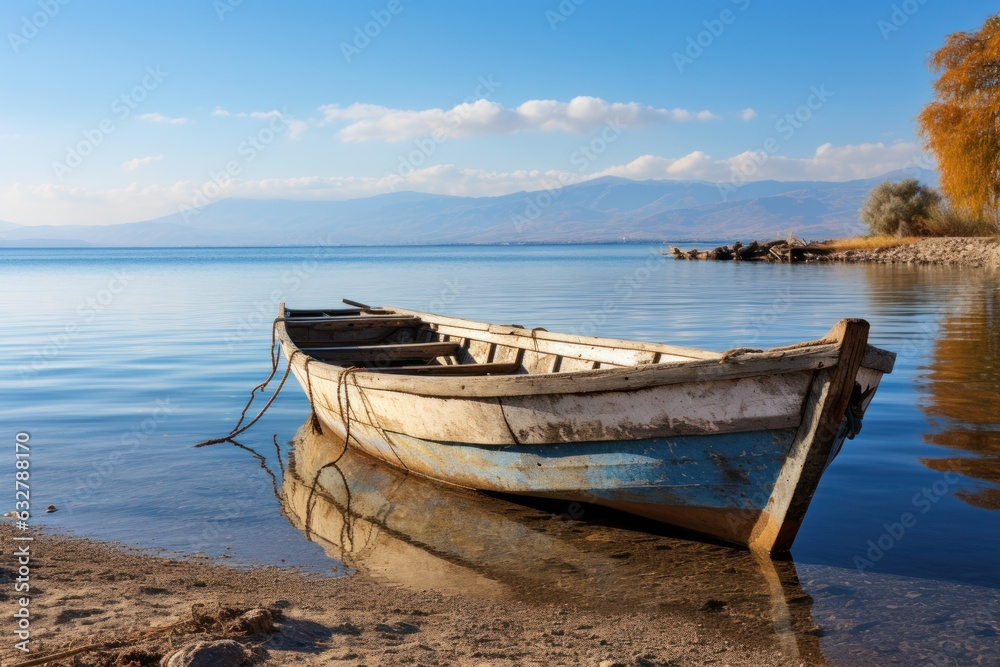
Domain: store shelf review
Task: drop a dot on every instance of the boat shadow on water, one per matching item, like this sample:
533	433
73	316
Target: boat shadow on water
406	530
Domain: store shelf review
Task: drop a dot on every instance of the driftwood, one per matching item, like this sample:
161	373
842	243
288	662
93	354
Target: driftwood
771	251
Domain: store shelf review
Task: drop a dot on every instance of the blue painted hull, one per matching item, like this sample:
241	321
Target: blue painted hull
714	484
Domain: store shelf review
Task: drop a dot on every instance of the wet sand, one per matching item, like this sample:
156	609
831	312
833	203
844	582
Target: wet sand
85	592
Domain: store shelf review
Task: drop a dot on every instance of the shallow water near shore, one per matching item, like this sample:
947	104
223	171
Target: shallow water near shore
120	359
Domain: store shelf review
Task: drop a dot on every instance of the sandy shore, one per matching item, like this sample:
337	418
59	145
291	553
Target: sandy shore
85	592
971	252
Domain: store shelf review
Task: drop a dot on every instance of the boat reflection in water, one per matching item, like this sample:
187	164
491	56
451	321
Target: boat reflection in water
407	530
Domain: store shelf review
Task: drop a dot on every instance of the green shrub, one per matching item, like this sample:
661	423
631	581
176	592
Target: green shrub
899	208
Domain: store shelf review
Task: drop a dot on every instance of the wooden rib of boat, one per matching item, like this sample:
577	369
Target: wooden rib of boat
731	445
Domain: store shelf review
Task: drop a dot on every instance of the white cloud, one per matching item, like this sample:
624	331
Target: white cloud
273	113
295	127
828	163
157	117
63	204
369	122
135	163
748	114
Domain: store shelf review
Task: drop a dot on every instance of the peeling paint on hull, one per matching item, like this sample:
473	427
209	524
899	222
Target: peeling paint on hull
713	484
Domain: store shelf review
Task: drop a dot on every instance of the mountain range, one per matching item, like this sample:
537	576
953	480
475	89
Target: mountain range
607	209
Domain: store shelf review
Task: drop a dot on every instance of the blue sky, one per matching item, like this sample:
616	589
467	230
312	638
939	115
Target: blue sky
125	111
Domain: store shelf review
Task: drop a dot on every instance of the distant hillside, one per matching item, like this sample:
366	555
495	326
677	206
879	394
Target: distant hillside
601	210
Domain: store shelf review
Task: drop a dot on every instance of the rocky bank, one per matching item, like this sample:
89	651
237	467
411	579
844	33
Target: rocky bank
971	252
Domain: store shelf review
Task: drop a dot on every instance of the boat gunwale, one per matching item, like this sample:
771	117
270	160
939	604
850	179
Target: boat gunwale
571	382
614	378
559	337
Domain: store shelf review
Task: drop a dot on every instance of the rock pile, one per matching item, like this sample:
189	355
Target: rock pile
770	251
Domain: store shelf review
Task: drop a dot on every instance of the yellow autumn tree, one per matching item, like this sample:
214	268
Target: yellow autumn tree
961	127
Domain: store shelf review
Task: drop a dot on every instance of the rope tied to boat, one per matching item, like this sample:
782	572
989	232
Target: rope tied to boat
534	336
855	412
344	403
275	357
346	515
370	415
738	351
314	422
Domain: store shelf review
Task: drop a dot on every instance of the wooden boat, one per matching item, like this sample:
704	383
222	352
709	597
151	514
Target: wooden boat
731	445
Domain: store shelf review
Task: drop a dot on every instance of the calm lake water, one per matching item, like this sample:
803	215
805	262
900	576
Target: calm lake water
118	360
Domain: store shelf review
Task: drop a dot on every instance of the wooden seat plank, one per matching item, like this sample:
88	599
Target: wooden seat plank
341	320
389	352
321	312
457	369
337	313
371	322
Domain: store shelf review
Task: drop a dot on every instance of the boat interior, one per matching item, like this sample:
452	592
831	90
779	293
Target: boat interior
392	340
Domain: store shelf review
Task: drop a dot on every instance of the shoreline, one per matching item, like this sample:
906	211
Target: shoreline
87	592
972	252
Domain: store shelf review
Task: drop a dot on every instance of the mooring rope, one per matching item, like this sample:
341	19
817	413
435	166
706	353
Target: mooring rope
315	424
855	412
347	525
808	343
238	430
737	351
373	422
534	336
277	451
275	357
344	404
263	465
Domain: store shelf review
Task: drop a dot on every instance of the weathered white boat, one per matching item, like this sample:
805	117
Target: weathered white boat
731	445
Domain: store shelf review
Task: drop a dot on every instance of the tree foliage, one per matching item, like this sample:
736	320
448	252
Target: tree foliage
899	208
961	126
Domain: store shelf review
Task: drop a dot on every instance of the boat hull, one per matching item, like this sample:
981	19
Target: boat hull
712	484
